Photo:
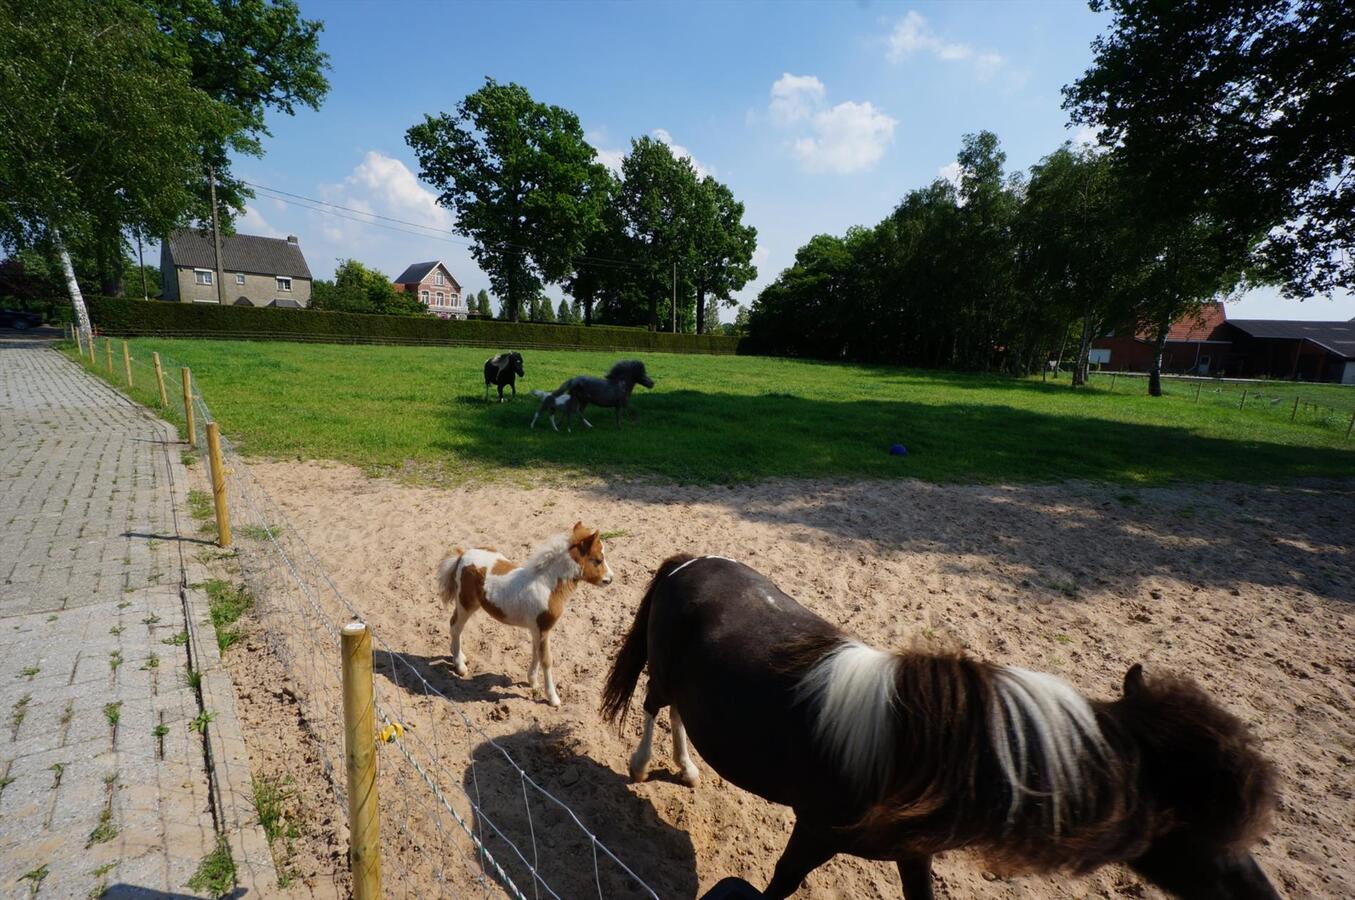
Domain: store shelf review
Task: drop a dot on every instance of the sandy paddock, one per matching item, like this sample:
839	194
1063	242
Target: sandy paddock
1251	590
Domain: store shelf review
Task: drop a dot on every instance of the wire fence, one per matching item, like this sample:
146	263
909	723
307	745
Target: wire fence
1326	406
460	816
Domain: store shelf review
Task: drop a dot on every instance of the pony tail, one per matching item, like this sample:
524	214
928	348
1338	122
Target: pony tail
449	577
634	653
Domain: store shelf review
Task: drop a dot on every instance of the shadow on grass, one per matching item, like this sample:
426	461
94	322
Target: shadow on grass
624	820
724	438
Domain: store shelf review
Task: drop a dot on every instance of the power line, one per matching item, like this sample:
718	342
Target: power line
451	237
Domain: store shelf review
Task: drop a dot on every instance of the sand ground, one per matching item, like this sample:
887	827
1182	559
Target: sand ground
1251	590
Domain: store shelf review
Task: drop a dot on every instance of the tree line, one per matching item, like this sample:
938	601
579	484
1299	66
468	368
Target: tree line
1224	161
655	244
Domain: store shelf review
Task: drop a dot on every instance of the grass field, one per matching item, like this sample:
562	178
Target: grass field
419	411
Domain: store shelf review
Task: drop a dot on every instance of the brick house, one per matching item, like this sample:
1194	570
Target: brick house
258	271
1210	344
436	289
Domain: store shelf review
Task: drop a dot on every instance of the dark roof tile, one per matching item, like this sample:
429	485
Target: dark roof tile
250	253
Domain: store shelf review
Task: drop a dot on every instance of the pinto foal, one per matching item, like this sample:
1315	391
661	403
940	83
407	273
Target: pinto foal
900	756
530	596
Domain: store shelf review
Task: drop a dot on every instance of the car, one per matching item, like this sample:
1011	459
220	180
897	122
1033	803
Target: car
19	319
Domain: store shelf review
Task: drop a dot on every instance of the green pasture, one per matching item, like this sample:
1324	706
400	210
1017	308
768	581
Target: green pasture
419	411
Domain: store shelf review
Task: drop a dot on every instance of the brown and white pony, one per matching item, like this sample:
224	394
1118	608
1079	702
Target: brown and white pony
900	756
530	596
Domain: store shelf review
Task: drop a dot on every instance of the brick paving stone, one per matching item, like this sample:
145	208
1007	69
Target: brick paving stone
89	574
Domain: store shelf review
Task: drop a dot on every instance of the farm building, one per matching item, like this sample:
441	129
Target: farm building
436	288
1212	344
257	271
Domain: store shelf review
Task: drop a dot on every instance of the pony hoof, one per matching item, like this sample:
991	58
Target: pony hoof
690	777
459	669
554	701
640	775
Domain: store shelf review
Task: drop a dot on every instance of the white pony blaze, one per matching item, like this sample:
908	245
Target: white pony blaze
855	688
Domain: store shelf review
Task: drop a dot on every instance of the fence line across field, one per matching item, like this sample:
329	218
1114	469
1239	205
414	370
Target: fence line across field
307	611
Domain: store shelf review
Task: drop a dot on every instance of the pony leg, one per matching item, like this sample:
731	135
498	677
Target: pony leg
585	420
548	676
639	760
690	774
460	617
916	874
536	659
807	849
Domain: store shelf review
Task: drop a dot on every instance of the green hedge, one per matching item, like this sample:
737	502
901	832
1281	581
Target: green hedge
207	320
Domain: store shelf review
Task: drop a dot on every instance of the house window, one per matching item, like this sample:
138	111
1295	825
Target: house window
284	284
202	276
439	298
438	279
454	299
239	278
423	295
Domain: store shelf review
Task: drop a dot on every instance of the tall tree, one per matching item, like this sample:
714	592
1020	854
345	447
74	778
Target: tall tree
1248	107
518	174
659	204
722	258
1078	251
101	121
485	309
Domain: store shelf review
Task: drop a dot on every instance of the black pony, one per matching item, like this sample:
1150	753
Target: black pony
900	756
575	394
504	369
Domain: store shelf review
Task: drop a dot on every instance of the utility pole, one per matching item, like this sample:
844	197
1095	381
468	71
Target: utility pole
216	241
145	294
674	302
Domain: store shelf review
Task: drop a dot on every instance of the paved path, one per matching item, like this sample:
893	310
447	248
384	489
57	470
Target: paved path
104	780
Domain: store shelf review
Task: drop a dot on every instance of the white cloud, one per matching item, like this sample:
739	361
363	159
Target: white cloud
845	138
253	222
663	137
1086	136
383	184
795	97
848	138
913	36
760	255
609	158
951	172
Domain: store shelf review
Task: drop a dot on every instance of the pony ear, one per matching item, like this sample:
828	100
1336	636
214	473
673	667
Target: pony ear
1133	681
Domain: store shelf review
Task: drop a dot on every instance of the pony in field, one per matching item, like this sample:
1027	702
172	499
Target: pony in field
530	596
503	370
900	756
577	393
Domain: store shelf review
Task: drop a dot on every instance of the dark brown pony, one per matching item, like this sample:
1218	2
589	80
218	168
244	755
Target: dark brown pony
900	756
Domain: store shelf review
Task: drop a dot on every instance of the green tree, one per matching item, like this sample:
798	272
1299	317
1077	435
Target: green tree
722	258
518	174
358	288
659	205
101	123
1245	114
485	309
563	314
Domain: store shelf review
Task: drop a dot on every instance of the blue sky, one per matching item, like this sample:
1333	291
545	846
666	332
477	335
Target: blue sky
819	116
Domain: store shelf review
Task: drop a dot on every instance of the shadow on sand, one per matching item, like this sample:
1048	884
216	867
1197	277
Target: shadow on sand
624	821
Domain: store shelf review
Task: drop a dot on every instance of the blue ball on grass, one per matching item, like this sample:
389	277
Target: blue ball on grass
898	450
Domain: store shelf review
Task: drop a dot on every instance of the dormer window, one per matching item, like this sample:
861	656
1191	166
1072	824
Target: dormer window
437	279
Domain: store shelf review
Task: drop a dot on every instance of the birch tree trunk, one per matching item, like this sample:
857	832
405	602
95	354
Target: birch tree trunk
1084	346
73	288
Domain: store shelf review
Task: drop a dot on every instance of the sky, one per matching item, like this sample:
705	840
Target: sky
819	116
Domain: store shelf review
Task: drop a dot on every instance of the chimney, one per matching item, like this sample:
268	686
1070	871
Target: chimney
291	239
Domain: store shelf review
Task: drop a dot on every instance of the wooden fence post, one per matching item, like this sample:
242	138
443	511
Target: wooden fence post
1351	426
79	345
160	379
1296	409
223	514
188	408
1244	399
1197	392
108	346
93	360
359	721
127	364
1112	382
